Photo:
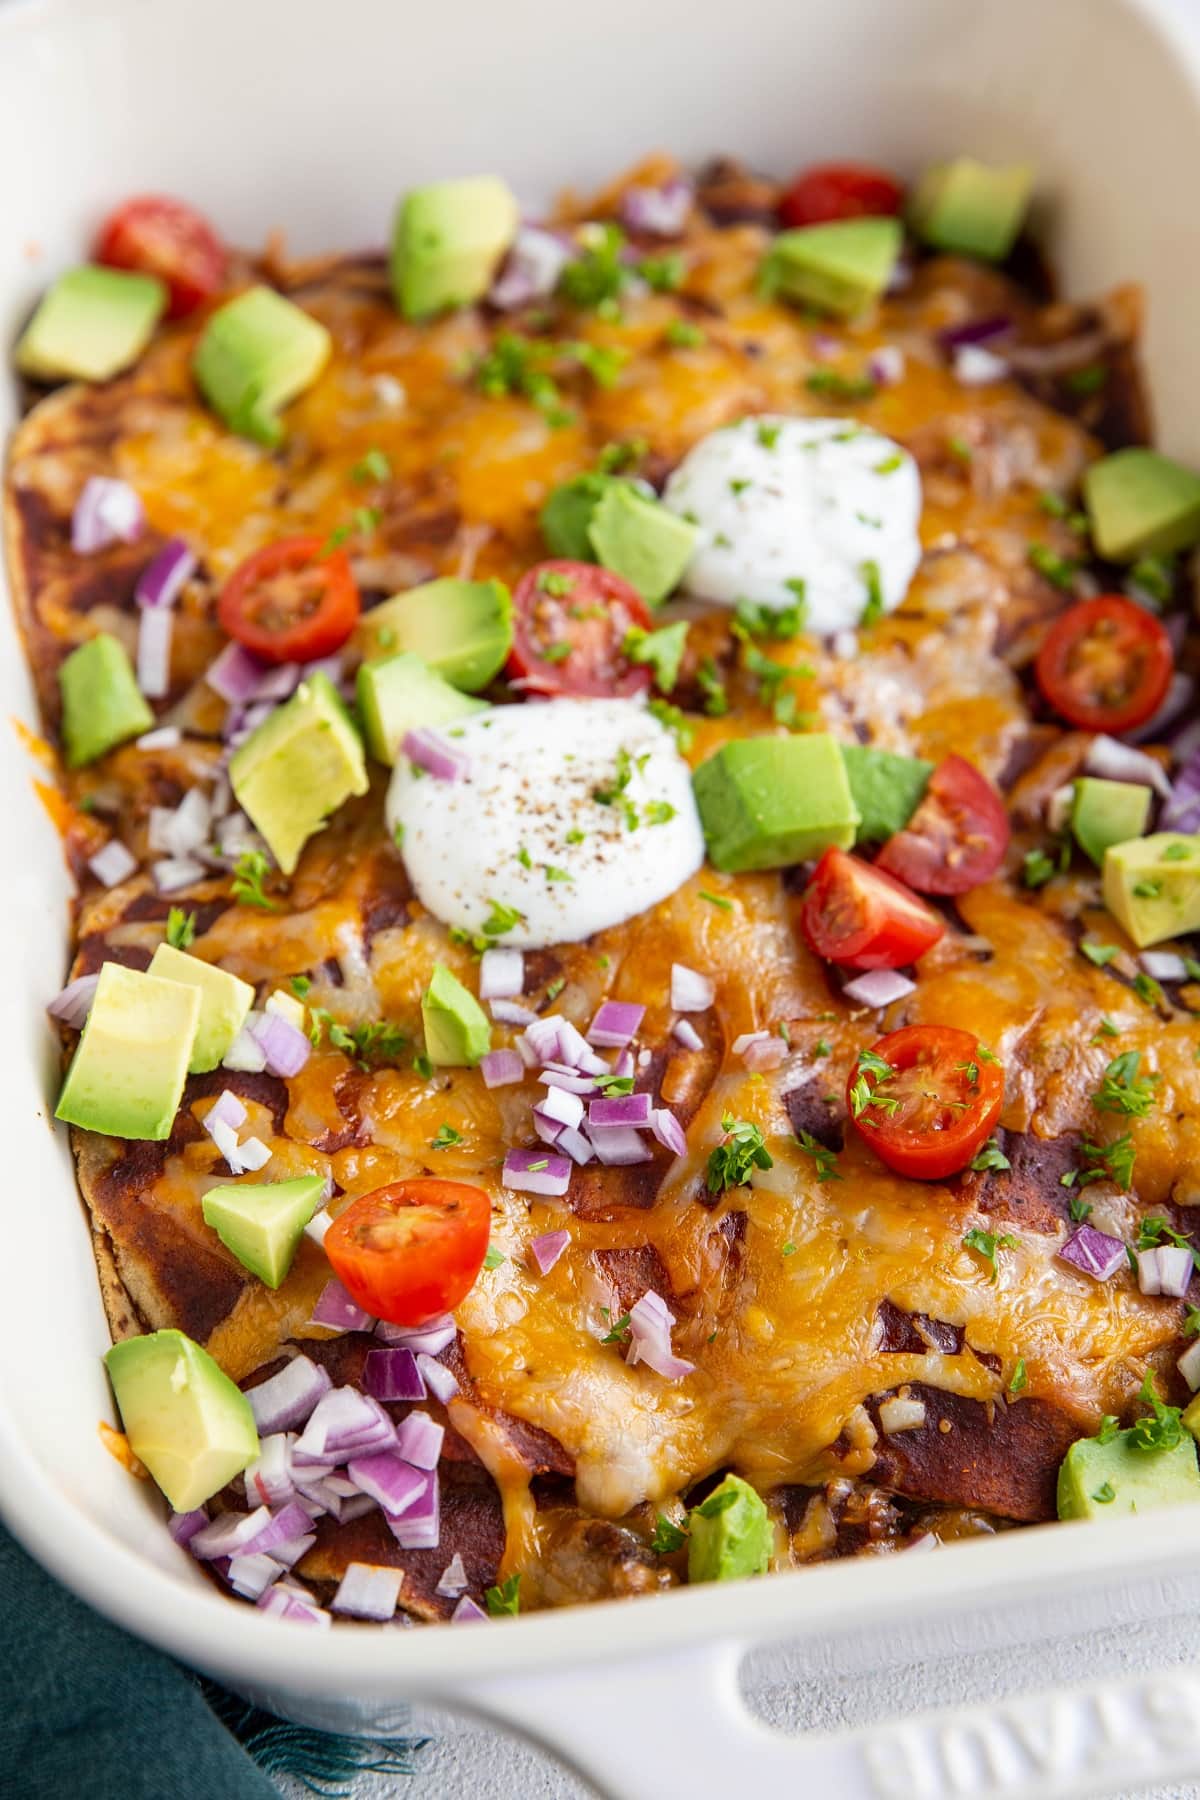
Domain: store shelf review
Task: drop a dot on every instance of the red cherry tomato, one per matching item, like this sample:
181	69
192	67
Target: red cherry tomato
291	602
412	1250
159	236
957	836
1105	664
854	915
570	620
840	191
925	1098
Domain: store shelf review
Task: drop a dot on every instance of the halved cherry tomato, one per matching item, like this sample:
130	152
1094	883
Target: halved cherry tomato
840	191
957	836
292	601
1106	664
570	620
855	915
159	236
412	1250
925	1098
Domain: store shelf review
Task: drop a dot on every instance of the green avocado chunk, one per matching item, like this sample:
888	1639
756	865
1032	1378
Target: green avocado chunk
729	1534
1099	1481
885	787
457	1032
1140	503
184	1418
90	325
257	353
1108	812
967	207
1152	885
127	1075
567	515
447	241
225	1001
769	801
461	629
263	1223
402	695
840	267
102	705
298	767
641	540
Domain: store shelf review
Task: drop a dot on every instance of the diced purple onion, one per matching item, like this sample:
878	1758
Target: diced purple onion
615	1023
393	1375
113	863
467	1613
184	1526
621	1109
548	1130
975	331
74	1003
760	1050
1116	761
339	1312
1181	692
342	1421
501	1068
250	1575
283	1602
685	1032
659	211
879	987
288	1399
577	1147
385	1478
691	991
245	1055
1182	810
976	367
368	1591
441	1381
453	1578
1094	1252
228	1110
507	1012
1166	1269
418	1527
569	1080
561	1107
668	1131
1189	1365
886	365
106	512
501	974
433	1337
650	1324
620	1148
268	1480
1186	741
163	737
624	1064
236	675
285	1048
176	873
182	830
290	1552
546	1249
531	269
291	1521
535	1172
433	754
1163	965
419	1440
228	1534
154	652
164	579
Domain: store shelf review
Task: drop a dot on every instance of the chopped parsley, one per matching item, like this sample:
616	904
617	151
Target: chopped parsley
1105	1493
767	434
716	900
1020	1381
1155	1230
673	719
614	458
1100	954
1079	1208
1191	1323
617	1331
446	1136
249	872
555	583
835	386
1113	1162
494	1257
716	700
1088	380
1154	576
1056	569
681	334
667	1537
300	985
873	610
752	620
990	1157
504	1599
1122	1090
824	1158
1148	990
742	1150
501	919
1162	1429
986	1244
863	1094
789	1249
181	928
1038	868
554	873
890	464
661	651
611	1085
378	1041
373	467
423	1065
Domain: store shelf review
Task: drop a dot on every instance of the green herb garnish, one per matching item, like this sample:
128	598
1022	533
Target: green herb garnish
743	1149
181	928
249	872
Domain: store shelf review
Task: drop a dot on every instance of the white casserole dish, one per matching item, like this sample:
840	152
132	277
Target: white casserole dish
312	117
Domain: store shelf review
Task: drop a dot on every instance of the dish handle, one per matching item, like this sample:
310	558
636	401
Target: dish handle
654	1729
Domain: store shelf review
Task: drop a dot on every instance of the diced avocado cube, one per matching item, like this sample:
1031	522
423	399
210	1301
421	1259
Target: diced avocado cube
839	268
729	1534
967	207
1152	886
461	629
102	705
298	767
885	787
645	543
447	242
1102	1481
457	1032
127	1075
1108	812
567	515
1190	1416
184	1418
225	1001
769	801
263	1223
90	325
257	353
401	695
1140	503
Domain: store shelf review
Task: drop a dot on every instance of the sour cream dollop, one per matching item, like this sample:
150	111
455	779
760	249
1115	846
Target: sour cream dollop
783	501
574	814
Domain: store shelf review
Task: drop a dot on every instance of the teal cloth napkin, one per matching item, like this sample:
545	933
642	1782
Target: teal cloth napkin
87	1709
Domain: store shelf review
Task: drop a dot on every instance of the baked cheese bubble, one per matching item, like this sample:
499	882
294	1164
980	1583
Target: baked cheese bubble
571	816
821	511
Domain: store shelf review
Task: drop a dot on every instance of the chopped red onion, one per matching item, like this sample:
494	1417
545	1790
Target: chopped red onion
501	1068
561	1107
1116	761
164	579
1060	806
886	365
621	1109
569	1080
687	1035
624	1064
113	863
285	1049
1094	1252
252	1154
1189	1365
74	1004
1181	691
690	991
368	1591
1163	965
154	652
385	1478
342	1421
441	1381
546	1249
467	1613
1186	741
549	1130
575	1144
339	1312
975	331
977	367
236	675
290	1552
393	1375
531	269
106	512
181	830
434	1336
419	1440
620	1148
660	211
533	1172
501	974
228	1110
228	1533
291	1521
433	754
318	1225
1182	810
285	1603
269	1479
250	1575
288	1399
1165	1270
418	1527
668	1131
163	737
650	1324
760	1050
184	1526
879	987
507	1012
245	1055
615	1023
176	873
453	1578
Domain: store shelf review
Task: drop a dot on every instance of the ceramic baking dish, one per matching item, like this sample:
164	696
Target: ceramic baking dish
311	117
